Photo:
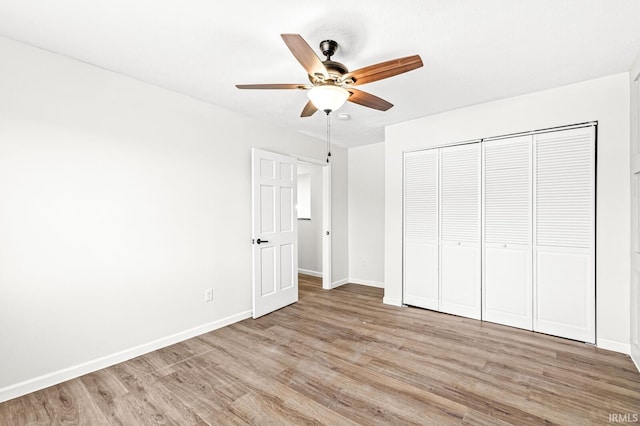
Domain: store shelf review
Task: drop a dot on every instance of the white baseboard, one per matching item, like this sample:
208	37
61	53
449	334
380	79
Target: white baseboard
611	345
392	301
370	283
637	364
56	377
339	283
310	272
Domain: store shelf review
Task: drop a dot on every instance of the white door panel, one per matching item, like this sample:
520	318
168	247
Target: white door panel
275	250
421	274
420	287
460	254
287	271
267	203
460	193
508	292
267	268
564	233
564	306
287	209
507	281
460	279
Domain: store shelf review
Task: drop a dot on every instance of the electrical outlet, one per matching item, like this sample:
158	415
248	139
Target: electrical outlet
208	295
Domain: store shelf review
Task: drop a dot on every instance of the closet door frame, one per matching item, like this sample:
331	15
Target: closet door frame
589	337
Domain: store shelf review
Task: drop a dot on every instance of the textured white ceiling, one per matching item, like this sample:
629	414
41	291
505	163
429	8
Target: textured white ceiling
473	50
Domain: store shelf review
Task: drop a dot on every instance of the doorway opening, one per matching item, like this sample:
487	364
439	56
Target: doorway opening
314	219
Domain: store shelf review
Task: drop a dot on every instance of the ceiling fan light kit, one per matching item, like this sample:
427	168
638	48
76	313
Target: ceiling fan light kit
332	82
328	97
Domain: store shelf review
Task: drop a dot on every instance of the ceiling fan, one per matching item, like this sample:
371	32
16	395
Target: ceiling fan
331	82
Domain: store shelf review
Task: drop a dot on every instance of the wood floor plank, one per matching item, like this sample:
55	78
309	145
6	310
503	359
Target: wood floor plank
368	396
67	403
248	368
342	357
152	405
104	387
206	394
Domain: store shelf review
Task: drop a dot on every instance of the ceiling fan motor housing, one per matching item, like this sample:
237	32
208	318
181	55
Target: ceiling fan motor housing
335	69
328	48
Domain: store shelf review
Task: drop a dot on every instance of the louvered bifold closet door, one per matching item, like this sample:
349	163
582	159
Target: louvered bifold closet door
507	289
421	229
564	229
460	289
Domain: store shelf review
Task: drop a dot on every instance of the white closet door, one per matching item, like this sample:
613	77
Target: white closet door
564	261
460	280
421	229
507	290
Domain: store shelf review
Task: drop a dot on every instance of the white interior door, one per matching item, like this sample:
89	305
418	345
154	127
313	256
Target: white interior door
507	290
275	249
564	230
421	229
460	277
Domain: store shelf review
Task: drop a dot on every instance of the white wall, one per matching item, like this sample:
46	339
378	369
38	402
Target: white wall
120	203
606	100
366	215
310	231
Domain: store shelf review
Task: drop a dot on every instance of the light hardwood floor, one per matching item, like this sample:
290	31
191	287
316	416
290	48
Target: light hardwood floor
342	357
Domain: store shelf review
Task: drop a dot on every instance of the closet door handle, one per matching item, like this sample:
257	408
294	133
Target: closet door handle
259	241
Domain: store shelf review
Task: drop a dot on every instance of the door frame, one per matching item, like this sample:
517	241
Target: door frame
326	217
634	151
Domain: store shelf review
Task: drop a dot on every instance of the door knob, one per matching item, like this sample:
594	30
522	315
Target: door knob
259	241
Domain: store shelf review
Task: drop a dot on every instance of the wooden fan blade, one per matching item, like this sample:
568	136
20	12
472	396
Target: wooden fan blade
305	55
273	86
308	110
367	99
383	70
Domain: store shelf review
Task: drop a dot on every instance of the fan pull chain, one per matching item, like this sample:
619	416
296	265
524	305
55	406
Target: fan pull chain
328	137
